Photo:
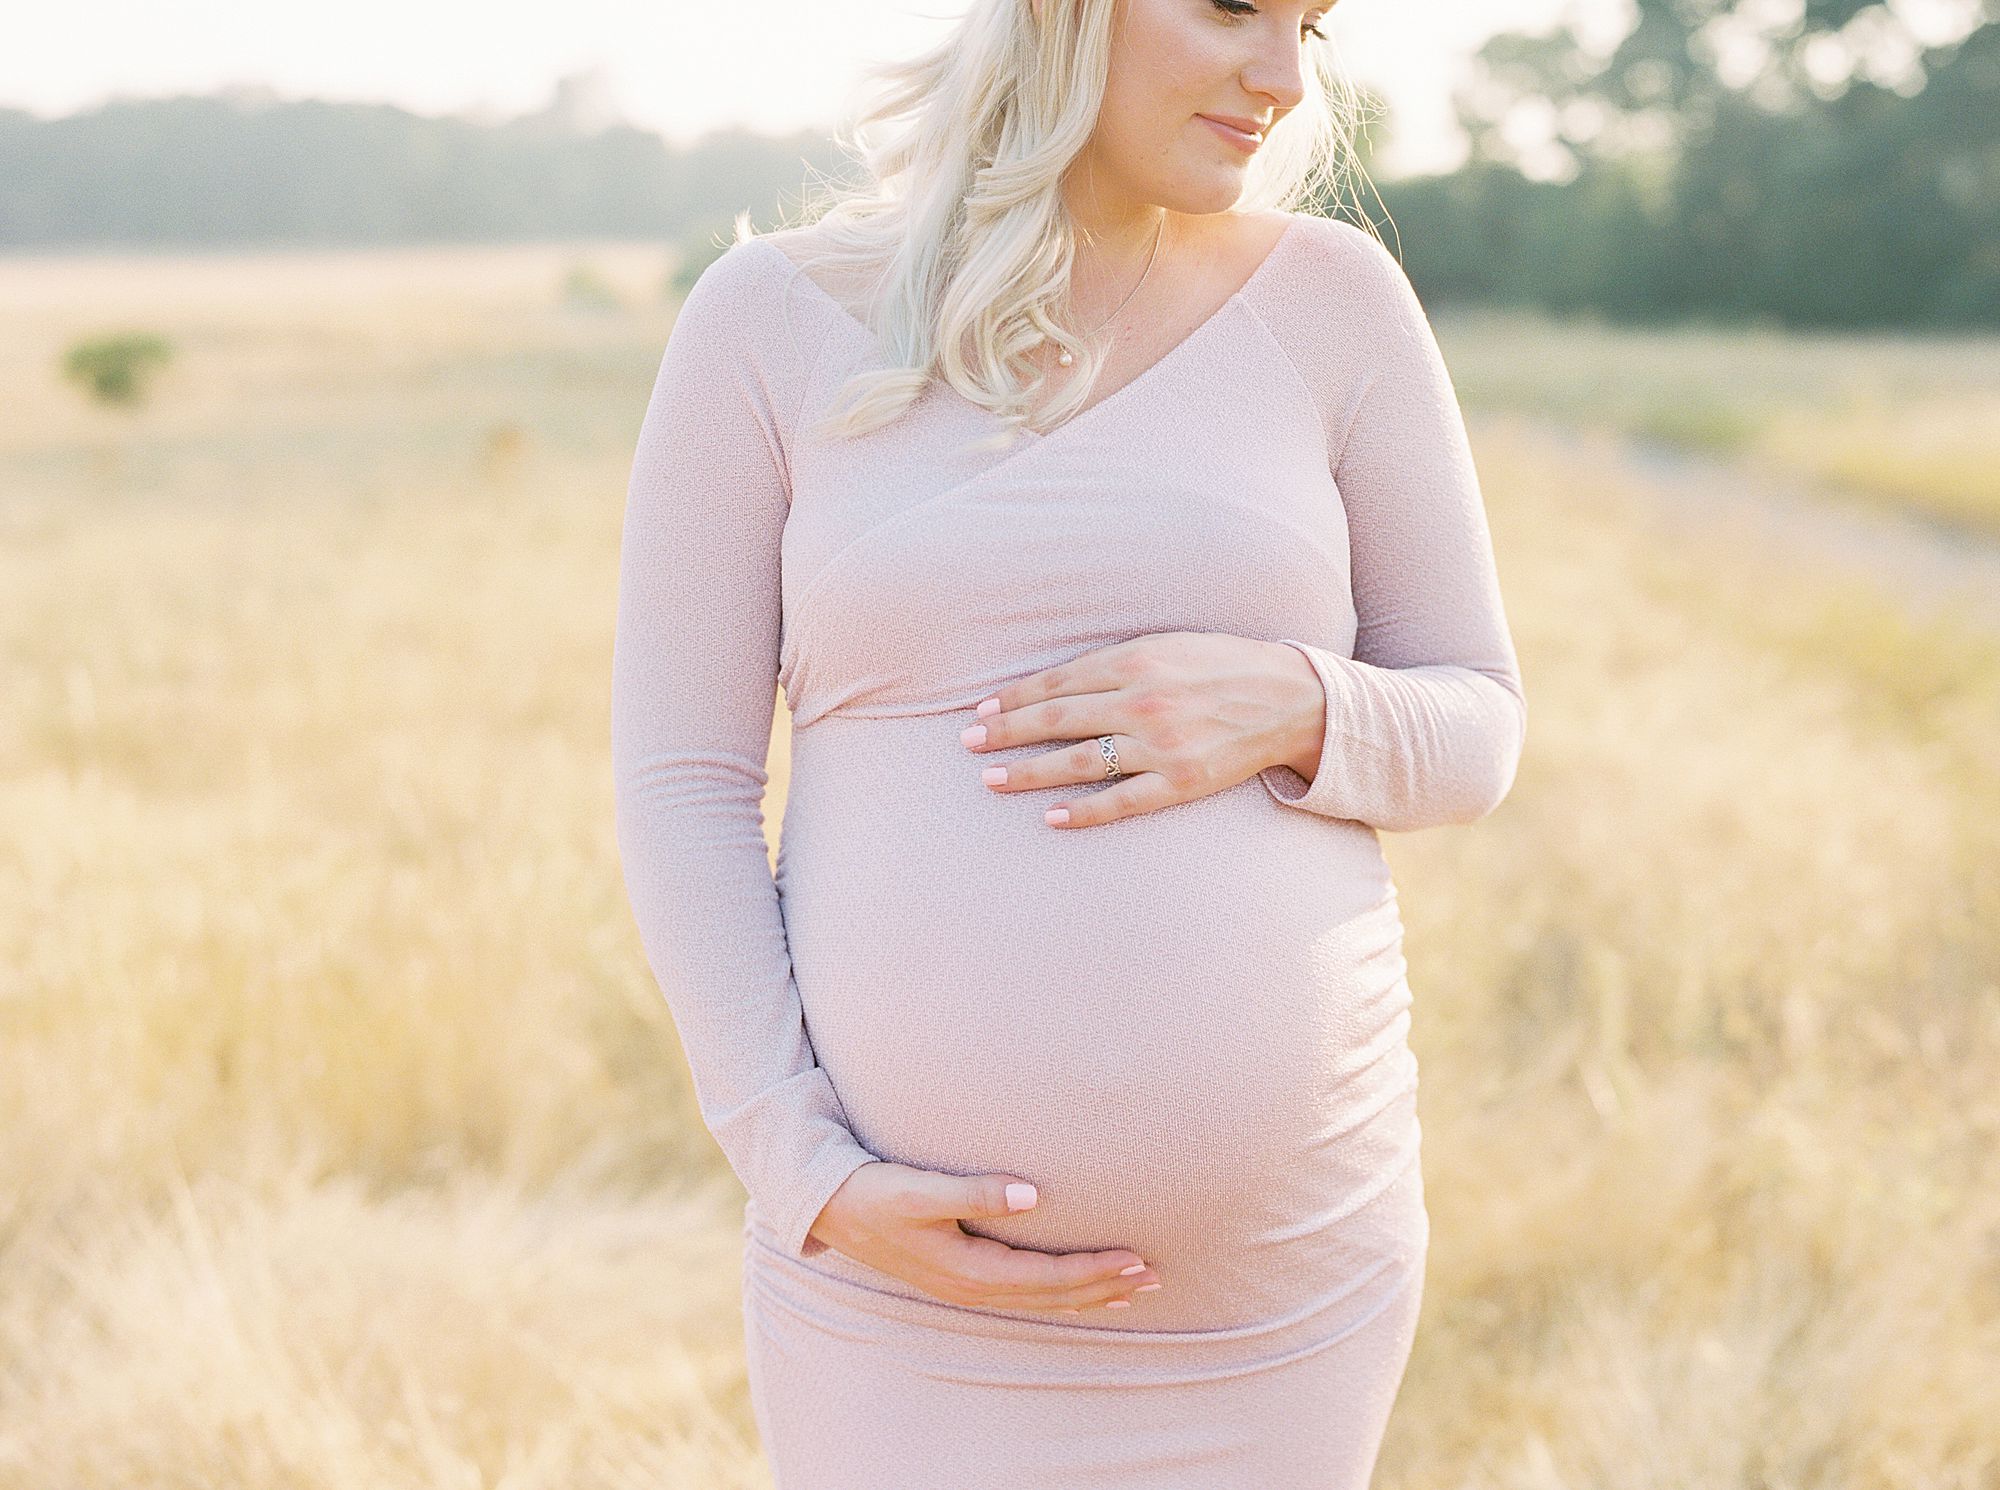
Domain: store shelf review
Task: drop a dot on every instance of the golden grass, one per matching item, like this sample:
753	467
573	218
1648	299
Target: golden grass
345	1137
1708	1022
1908	423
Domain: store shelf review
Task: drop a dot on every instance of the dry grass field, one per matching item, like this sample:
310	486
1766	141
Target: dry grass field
344	1139
1901	423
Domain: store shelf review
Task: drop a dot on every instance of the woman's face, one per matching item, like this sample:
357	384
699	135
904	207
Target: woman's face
1174	61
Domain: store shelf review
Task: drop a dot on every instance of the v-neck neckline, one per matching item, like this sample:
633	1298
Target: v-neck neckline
1197	333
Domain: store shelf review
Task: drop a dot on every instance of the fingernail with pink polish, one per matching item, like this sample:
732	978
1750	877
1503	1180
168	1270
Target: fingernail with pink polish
1057	816
994	775
1020	1197
988	706
976	735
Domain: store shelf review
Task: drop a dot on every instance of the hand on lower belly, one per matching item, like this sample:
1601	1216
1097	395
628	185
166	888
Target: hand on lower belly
904	1221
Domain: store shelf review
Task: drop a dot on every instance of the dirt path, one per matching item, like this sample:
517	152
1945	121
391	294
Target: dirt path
1927	566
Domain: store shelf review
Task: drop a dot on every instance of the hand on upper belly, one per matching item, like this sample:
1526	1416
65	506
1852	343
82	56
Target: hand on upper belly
1187	714
904	1221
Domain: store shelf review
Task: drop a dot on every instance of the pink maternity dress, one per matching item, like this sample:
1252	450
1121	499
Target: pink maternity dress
1186	1028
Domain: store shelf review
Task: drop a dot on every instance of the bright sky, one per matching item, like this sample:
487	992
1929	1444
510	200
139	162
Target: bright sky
678	66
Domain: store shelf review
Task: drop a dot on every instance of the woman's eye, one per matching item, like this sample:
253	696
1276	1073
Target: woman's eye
1237	10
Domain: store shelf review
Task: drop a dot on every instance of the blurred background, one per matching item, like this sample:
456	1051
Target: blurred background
344	1137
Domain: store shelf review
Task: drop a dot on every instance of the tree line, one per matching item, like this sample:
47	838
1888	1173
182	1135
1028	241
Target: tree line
1814	165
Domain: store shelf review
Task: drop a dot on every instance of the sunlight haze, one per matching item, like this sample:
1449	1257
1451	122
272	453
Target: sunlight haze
680	68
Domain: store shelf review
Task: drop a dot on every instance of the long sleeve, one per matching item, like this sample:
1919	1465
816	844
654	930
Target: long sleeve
1426	722
694	676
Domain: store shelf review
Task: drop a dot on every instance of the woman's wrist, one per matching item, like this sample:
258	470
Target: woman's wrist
1306	740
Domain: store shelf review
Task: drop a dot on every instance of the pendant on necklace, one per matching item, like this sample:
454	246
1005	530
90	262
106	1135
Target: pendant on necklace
1064	357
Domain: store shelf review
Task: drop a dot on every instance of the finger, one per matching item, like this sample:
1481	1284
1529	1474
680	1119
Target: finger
1072	717
1117	1290
1073	765
1128	796
987	1271
932	1195
1101	670
988	1262
1124	1293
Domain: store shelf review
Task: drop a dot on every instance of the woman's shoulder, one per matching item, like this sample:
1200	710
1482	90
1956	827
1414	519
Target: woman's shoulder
1333	284
833	283
743	269
748	299
1333	255
1338	304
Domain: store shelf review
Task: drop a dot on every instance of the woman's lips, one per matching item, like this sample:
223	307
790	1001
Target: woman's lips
1246	143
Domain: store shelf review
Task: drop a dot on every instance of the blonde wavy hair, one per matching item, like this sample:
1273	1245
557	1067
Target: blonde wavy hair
958	218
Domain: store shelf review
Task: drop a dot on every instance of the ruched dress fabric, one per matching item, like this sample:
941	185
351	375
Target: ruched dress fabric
1187	1028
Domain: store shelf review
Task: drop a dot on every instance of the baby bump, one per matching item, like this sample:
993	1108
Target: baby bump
1187	1028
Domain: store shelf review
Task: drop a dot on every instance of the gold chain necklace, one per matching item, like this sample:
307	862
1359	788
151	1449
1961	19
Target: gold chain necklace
1063	357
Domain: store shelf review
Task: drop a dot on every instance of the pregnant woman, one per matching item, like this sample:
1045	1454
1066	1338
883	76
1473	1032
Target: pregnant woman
1111	528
